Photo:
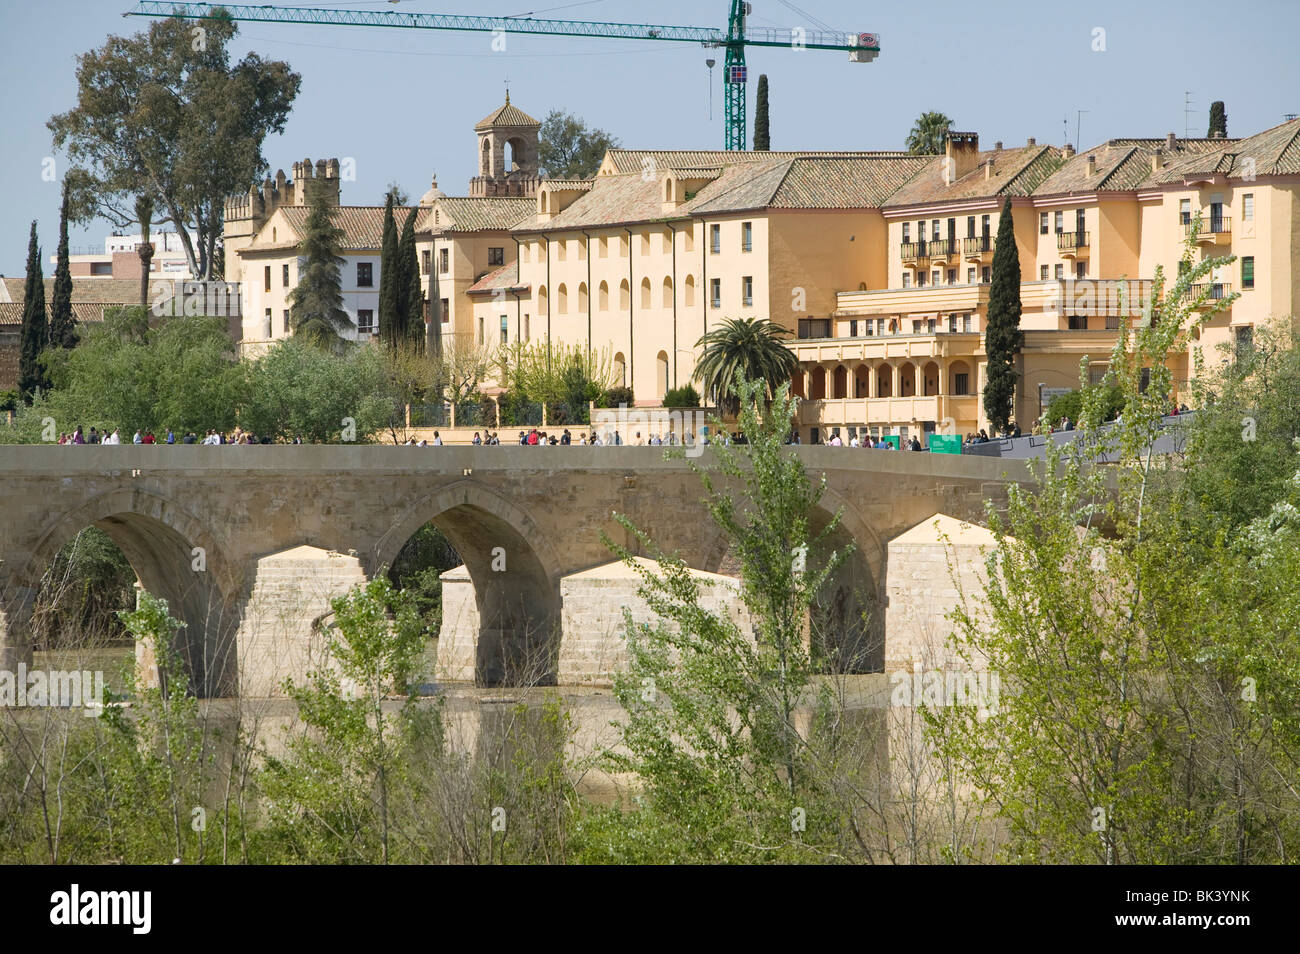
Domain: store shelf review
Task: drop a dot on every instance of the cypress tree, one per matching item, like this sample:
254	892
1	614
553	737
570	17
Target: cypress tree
1003	338
316	302
35	334
390	270
411	290
1218	119
762	139
63	329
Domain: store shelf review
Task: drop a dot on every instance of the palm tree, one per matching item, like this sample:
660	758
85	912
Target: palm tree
926	137
743	349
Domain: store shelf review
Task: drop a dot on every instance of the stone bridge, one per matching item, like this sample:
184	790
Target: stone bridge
247	543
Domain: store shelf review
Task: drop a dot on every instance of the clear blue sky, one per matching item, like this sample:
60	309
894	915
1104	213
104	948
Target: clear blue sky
1007	69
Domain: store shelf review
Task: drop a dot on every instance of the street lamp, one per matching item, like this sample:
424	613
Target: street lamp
710	63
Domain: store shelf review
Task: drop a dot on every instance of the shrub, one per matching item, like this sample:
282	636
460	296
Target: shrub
616	396
685	396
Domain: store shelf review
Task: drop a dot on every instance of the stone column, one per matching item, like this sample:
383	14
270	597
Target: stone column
894	391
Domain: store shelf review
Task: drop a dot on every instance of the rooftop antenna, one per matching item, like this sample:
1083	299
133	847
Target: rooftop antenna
710	63
1187	114
1078	128
1065	129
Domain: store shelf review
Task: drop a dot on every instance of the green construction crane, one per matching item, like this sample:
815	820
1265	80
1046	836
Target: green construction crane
861	47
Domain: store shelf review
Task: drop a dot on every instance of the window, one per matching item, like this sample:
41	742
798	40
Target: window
920	279
1112	324
986	274
907	232
970	275
952	276
504	330
426	259
480	329
1077	322
952	324
715	292
1248	271
1185	211
930	325
496	256
444	309
984	226
747	236
1042	273
268	278
853	329
970	226
365	275
715	239
1042	223
444	261
907	279
961	383
1096	372
935	276
1060	271
916	326
365	321
1059	220
284	317
1080	269
880	326
934	229
284	275
266	324
1248	207
747	290
1245	340
965	323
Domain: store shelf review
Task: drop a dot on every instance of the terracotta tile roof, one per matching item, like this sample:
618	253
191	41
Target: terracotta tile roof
1122	164
506	277
469	214
362	225
108	291
506	115
571	184
1016	171
1274	152
11	312
626	161
817	182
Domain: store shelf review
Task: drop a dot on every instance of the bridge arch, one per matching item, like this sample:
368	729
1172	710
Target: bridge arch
175	556
515	572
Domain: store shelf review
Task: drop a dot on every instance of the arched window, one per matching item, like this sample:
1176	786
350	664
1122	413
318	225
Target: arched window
562	299
624	295
796	383
688	294
861	377
661	374
885	381
582	297
645	294
602	297
841	382
620	370
907	380
485	165
930	379
543	301
819	383
668	293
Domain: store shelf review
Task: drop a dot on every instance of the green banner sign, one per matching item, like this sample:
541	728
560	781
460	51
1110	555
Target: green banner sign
945	443
892	440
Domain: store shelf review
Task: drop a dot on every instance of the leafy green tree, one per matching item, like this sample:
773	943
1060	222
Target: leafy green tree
743	349
410	291
1218	120
35	333
762	136
298	390
1071	405
391	330
316	303
397	194
167	114
1148	653
568	149
63	326
330	794
730	774
927	135
1003	338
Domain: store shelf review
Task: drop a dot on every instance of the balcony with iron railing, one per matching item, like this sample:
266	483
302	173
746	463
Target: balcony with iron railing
941	249
913	251
1071	244
1214	230
977	245
1217	290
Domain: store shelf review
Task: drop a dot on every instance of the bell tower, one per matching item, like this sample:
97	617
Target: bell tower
507	153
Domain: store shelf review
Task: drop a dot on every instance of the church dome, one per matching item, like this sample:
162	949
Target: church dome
433	194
